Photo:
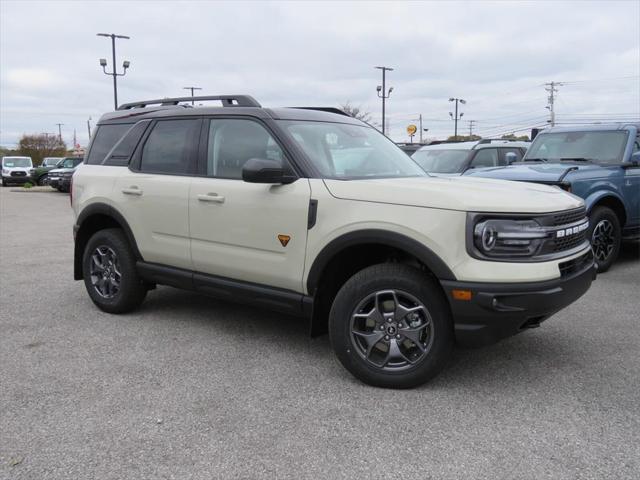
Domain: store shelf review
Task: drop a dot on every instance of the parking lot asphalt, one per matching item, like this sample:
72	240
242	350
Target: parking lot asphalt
190	387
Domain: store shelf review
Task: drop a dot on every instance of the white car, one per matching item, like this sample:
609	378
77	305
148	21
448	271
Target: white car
457	158
317	214
16	170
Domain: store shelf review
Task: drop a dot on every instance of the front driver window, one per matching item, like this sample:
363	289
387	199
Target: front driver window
487	157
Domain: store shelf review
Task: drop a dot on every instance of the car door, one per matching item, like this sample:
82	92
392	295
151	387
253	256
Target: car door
631	188
153	194
246	231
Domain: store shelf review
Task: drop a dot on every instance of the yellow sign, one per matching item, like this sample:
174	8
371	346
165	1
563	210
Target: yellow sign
411	130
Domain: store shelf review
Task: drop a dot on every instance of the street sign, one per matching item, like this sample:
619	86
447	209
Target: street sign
411	130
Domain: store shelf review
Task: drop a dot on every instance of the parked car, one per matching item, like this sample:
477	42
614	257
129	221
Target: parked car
16	170
458	158
60	178
600	164
246	204
40	175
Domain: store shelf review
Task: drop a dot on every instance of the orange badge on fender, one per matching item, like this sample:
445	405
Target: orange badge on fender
284	239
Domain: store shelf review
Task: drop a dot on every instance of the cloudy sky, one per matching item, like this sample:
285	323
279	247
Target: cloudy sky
495	55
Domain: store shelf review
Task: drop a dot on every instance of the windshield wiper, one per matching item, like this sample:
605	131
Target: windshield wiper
575	159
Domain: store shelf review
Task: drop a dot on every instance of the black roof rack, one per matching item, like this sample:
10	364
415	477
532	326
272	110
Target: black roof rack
227	101
324	109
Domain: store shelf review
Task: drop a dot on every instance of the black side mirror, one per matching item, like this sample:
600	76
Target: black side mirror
634	161
261	170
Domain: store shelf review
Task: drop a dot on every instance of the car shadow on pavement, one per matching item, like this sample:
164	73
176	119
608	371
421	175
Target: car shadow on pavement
629	252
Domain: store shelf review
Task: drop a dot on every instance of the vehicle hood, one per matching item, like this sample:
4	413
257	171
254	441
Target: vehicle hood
457	193
61	170
531	172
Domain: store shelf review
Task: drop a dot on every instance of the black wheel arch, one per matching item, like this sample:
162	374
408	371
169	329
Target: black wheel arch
349	253
93	218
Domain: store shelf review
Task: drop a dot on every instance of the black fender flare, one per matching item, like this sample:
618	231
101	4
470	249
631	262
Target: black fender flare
381	237
80	240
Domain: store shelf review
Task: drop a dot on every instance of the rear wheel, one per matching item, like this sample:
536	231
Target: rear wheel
605	235
110	275
390	326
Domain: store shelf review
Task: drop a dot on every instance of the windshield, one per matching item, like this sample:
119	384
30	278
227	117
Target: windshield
51	161
600	147
346	152
11	162
441	161
70	162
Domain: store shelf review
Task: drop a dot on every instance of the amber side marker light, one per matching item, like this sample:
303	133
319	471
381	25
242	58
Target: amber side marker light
464	295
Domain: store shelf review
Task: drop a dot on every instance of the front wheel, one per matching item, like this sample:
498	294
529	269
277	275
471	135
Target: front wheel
110	275
605	235
390	326
43	181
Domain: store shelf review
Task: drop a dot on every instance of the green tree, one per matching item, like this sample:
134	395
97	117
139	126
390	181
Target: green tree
355	112
39	146
511	136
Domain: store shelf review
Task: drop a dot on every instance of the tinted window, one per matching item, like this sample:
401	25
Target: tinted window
105	138
233	142
168	147
487	157
121	153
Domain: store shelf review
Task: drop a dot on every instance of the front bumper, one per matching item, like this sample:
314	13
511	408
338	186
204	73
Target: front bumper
499	310
17	180
54	182
64	183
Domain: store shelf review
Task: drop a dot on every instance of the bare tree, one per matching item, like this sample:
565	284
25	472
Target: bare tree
38	146
355	112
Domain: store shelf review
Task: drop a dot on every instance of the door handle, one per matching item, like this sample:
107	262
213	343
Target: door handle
132	190
211	197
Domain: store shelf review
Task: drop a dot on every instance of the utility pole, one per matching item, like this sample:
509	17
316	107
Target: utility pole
551	88
471	122
420	128
192	89
383	94
456	117
89	127
60	131
114	73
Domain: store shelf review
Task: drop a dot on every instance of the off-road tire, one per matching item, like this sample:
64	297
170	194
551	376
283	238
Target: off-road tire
407	281
605	235
131	291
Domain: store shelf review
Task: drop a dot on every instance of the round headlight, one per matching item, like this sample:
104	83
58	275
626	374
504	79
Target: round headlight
489	237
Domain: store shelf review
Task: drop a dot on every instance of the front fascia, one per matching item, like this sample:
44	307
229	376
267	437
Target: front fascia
441	231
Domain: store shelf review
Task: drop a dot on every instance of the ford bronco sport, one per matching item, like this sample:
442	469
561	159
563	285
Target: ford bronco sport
317	214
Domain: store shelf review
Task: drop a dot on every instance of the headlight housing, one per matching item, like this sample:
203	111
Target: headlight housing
526	238
508	238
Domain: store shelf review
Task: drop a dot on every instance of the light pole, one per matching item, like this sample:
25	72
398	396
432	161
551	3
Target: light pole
384	94
114	73
192	89
456	117
60	131
89	127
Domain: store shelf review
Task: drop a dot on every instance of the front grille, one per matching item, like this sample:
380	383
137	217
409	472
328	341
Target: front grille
567	243
18	174
575	265
571	216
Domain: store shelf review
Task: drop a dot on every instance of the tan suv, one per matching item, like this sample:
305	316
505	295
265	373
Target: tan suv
313	213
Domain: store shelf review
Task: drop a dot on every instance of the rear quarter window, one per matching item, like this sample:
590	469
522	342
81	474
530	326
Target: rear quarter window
105	139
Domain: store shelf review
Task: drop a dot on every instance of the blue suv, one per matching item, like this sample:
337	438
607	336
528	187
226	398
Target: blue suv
599	163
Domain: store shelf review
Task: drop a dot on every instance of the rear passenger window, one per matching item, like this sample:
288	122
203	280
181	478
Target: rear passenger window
169	146
105	138
121	154
233	142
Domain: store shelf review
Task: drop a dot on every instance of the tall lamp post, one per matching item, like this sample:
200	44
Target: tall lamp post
114	73
384	94
192	89
456	117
